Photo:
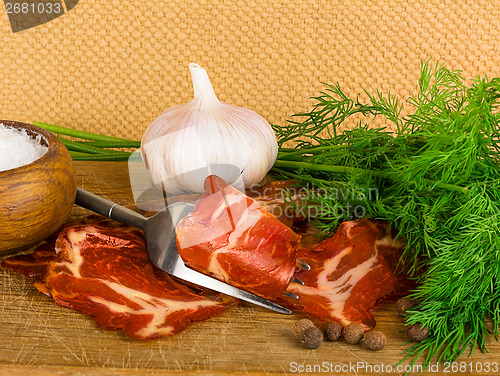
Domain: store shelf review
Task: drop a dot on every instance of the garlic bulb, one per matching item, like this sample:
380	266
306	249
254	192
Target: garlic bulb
188	142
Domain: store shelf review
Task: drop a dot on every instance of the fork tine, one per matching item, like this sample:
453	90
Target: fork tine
296	280
303	265
290	294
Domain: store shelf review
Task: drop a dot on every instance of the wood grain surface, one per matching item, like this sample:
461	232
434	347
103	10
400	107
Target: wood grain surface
39	337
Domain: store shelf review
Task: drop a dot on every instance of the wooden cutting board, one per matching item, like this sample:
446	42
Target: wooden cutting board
39	337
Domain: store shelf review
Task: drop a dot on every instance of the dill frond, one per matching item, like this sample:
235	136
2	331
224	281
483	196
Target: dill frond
437	180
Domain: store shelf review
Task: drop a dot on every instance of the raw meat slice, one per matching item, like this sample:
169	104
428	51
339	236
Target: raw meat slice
105	273
233	238
35	265
350	273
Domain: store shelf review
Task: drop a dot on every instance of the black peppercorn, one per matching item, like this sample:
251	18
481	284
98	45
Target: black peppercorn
417	332
374	340
333	331
404	304
300	326
353	333
312	338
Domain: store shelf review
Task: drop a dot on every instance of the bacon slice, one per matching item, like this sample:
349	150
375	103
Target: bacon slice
105	273
233	238
350	272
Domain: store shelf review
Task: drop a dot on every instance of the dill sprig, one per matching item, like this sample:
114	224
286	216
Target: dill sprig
437	181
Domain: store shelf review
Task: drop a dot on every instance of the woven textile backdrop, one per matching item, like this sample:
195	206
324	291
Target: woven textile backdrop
111	66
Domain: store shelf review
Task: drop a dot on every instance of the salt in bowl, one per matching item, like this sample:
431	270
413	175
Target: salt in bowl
36	198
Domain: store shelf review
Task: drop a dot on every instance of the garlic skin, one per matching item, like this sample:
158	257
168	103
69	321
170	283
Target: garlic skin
183	144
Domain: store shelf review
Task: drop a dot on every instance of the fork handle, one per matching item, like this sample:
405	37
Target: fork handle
109	209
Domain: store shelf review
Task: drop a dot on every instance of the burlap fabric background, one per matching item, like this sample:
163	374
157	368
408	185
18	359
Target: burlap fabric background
112	66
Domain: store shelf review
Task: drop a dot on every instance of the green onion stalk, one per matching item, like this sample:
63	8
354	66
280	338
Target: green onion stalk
92	146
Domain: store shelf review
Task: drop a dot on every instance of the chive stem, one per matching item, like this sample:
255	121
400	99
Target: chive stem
356	170
99	157
310	150
330	168
78	153
76	133
76	146
112	144
298	177
285	173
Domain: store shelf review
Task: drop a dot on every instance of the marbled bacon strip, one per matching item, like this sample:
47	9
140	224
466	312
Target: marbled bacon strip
350	273
105	273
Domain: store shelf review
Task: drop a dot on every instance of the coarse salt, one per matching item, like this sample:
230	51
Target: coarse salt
17	148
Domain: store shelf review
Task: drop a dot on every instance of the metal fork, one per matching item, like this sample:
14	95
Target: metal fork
162	248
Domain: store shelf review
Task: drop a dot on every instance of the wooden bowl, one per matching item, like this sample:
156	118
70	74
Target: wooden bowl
35	199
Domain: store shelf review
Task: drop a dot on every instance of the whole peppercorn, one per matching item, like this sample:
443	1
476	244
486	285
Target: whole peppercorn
300	326
353	333
417	332
404	304
312	338
374	340
333	331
